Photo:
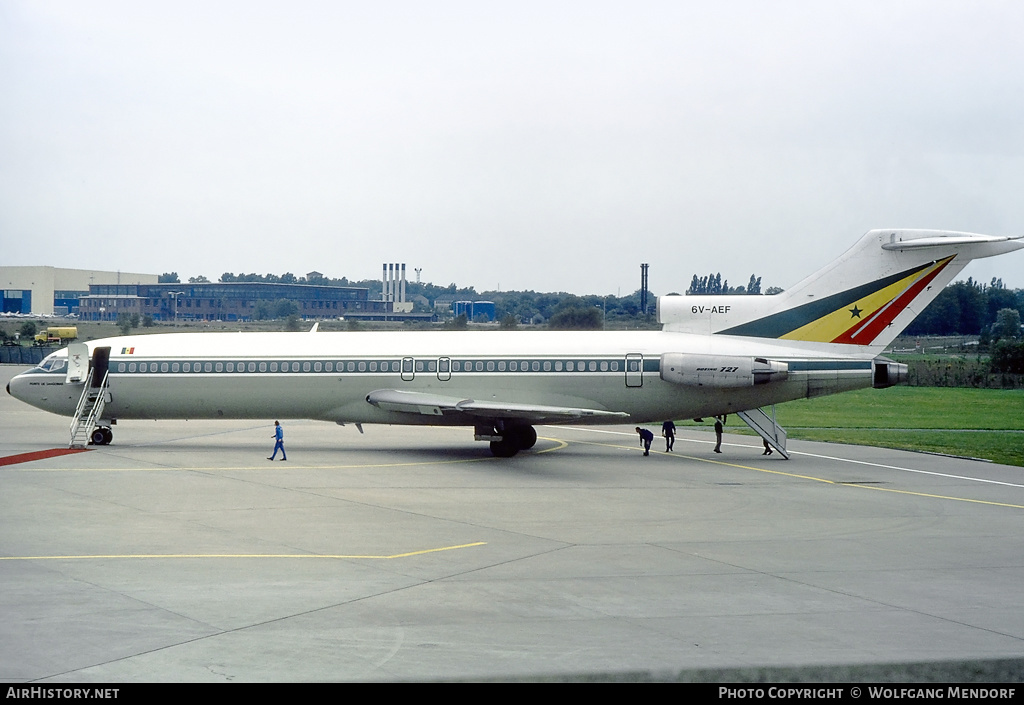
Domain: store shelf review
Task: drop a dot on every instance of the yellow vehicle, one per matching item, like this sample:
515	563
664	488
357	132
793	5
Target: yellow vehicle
57	335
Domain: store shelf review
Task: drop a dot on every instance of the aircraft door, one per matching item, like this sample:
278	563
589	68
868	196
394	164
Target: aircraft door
100	364
408	369
444	368
634	370
78	363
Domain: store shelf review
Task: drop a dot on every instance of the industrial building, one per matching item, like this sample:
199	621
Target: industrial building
104	296
474	310
222	301
53	291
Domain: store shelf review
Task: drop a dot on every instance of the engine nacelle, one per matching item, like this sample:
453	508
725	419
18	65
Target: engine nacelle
886	373
721	371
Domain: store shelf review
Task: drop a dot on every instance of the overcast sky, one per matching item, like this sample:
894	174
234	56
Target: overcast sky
547	145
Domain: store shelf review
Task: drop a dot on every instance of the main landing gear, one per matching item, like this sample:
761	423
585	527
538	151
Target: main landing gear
509	440
101	436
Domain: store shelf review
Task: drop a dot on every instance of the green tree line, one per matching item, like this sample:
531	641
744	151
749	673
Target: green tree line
967	308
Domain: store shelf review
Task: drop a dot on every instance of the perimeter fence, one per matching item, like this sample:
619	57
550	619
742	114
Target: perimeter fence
22	355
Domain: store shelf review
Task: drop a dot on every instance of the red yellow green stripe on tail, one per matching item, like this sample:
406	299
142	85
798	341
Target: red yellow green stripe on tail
855	317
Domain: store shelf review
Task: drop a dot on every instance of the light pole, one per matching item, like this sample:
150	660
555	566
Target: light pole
175	295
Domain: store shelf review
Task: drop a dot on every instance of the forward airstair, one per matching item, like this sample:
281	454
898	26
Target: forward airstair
89	411
766	427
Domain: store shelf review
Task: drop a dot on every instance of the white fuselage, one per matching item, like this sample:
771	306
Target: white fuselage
328	376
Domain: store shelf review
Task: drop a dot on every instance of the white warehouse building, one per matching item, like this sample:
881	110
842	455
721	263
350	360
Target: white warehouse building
55	291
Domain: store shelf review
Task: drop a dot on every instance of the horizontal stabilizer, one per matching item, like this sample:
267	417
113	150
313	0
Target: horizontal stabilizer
958	239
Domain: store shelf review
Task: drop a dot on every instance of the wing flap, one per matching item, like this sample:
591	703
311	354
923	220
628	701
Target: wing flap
437	405
412	402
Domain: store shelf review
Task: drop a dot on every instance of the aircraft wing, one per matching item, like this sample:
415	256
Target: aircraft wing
437	405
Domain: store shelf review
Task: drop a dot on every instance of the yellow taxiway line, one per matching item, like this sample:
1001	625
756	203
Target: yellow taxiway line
112	556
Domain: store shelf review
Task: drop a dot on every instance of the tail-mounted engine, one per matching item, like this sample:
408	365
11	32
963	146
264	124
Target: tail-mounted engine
724	371
886	373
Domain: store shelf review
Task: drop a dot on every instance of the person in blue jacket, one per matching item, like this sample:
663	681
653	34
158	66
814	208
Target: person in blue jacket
668	430
645	439
279	435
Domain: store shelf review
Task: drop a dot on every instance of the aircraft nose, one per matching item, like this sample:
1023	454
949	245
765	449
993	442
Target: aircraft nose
18	390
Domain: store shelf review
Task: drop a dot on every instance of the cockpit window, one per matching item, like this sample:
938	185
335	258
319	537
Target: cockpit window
52	363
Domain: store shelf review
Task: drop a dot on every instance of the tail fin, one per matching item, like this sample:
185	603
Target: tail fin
865	298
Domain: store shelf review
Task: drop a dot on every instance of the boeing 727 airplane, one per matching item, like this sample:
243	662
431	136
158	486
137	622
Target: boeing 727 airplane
714	355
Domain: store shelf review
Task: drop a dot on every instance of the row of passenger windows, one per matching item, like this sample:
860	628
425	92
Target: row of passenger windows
533	366
234	366
406	365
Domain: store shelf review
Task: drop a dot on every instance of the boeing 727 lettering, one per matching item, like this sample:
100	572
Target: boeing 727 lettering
714	355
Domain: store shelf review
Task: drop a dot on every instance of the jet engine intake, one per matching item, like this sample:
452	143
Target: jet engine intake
723	371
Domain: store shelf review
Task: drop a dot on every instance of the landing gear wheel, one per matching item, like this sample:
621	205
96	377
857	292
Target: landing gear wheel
514	439
527	437
101	436
504	448
522	437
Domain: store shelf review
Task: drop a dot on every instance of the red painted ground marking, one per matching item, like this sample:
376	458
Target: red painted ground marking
39	455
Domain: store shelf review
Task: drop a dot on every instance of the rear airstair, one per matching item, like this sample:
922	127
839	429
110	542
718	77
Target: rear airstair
766	427
89	411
